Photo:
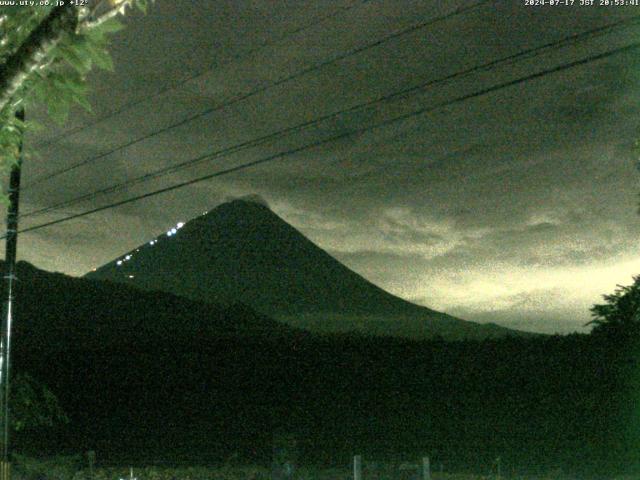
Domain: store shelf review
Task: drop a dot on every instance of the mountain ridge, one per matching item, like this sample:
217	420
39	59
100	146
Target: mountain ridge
57	309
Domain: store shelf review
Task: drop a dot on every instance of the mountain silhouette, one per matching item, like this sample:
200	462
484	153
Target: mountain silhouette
56	309
241	251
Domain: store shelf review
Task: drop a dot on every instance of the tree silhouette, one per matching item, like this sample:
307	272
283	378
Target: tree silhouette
620	312
34	405
46	53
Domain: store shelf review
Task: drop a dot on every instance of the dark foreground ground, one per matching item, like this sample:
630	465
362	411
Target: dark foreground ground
60	471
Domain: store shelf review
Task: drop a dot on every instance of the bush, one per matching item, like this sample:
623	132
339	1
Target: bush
54	468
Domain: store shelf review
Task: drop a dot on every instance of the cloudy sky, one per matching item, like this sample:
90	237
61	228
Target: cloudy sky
516	206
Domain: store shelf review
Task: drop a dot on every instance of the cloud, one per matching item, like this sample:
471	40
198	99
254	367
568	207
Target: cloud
252	198
395	231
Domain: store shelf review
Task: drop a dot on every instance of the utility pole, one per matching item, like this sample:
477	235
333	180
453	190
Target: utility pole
11	247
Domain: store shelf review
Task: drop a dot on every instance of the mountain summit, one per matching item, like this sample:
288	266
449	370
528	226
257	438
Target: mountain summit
243	252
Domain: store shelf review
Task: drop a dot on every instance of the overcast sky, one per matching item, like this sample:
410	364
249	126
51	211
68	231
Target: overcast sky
518	206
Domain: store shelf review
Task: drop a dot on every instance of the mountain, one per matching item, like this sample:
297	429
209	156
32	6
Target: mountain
243	252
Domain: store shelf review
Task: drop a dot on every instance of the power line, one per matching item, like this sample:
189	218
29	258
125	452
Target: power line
173	86
334	138
525	54
258	90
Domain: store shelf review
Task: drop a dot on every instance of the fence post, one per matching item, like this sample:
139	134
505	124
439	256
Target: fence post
426	468
357	467
284	460
91	459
